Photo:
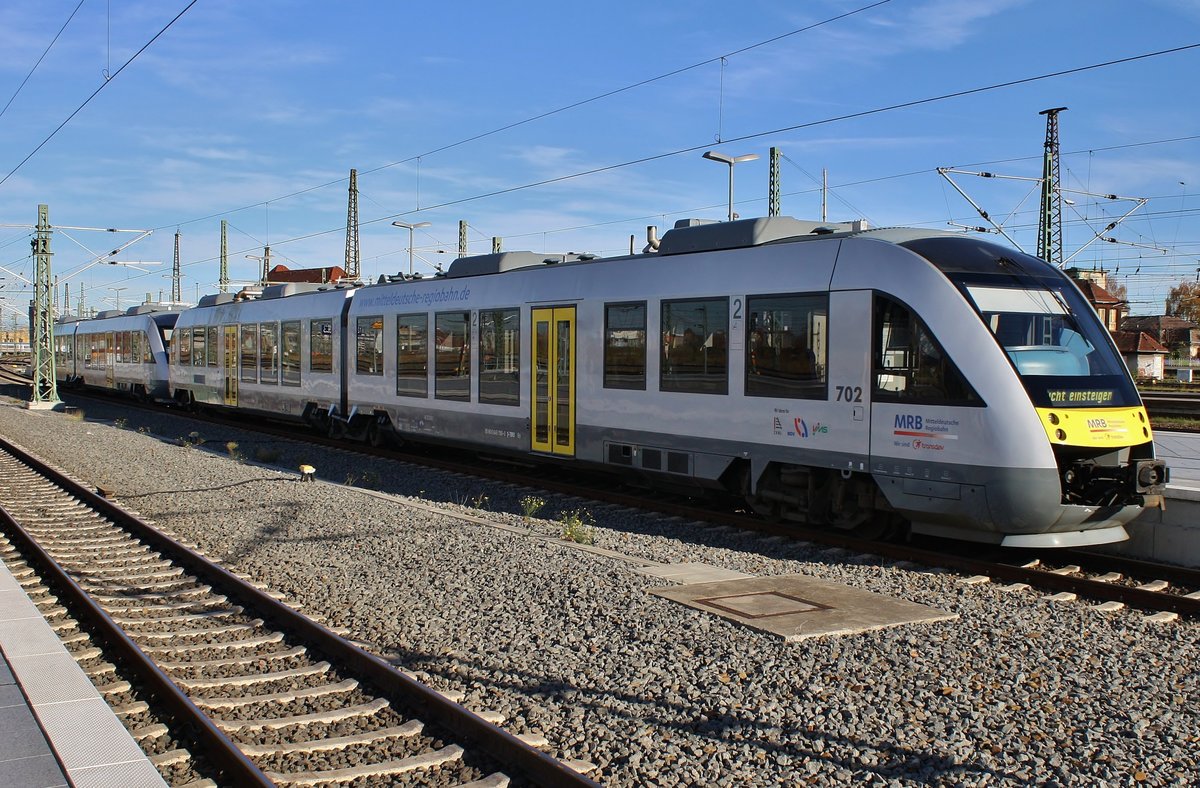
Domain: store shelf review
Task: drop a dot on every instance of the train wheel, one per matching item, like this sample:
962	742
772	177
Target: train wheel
336	429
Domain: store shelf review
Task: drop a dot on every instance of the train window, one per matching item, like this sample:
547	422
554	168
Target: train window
185	347
412	355
320	346
138	338
910	365
249	352
289	353
786	345
199	336
268	348
369	346
694	357
500	356
212	346
452	354
625	346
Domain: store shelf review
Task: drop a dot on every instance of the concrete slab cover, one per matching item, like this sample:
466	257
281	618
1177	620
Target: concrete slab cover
693	573
796	607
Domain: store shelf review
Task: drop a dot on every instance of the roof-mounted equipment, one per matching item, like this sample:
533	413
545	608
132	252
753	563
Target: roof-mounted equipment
499	262
695	235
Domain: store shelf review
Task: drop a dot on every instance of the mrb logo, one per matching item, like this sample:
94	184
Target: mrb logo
804	431
909	421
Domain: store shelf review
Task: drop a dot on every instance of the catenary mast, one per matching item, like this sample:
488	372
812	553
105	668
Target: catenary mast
1050	246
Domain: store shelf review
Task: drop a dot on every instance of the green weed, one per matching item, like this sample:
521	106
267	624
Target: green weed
577	526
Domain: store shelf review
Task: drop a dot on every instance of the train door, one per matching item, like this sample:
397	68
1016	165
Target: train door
229	364
110	357
553	381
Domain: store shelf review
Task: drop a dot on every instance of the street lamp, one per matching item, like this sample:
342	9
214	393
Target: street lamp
117	295
410	228
712	155
265	259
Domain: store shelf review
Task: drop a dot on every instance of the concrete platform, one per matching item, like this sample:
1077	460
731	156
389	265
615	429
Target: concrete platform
1171	535
797	607
55	729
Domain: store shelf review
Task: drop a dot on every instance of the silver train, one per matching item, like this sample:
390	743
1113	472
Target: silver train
843	376
123	351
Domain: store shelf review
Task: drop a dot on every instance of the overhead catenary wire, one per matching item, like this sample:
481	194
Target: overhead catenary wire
540	116
757	135
96	92
45	52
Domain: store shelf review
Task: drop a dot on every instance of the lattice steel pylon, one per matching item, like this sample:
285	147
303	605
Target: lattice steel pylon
1050	246
176	276
773	184
224	280
352	252
45	388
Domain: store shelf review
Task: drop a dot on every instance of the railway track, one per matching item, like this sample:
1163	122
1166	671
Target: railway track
1111	582
1172	403
267	695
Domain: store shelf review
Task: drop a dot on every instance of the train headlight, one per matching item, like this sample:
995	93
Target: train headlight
1054	418
1060	434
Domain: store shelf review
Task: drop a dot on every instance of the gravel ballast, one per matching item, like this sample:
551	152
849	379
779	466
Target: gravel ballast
570	644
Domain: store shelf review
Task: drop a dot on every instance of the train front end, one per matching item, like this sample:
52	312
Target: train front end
1091	415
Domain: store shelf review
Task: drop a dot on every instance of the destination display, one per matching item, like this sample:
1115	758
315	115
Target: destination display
1065	398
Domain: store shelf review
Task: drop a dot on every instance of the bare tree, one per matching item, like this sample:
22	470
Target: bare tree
1184	301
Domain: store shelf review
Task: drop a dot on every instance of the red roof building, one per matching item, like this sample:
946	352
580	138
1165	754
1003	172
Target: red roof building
1143	354
281	274
1110	308
1180	335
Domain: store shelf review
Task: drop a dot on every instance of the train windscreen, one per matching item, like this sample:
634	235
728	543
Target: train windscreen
1054	339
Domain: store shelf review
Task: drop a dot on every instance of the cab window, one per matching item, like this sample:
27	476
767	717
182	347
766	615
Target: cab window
910	365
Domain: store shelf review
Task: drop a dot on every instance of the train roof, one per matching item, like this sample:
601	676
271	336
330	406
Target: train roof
691	236
163	314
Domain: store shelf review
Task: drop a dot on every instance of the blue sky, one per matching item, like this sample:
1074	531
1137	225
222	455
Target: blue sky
255	113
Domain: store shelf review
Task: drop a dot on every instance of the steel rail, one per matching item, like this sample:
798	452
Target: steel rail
431	706
1040	578
233	764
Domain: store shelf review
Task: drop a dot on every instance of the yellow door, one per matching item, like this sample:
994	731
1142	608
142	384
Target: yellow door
229	364
110	357
553	381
